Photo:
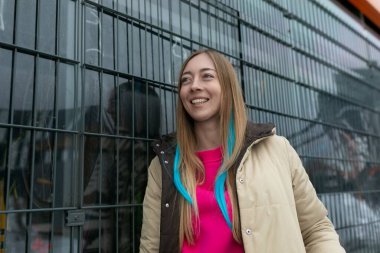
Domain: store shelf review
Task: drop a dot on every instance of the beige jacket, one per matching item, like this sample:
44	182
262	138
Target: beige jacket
279	209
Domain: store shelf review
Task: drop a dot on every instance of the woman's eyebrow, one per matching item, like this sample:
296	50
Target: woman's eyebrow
201	70
205	69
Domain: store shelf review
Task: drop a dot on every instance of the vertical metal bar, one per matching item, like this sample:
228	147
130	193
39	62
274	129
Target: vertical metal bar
229	34
208	15
162	41
10	120
80	74
150	13
191	27
35	80
101	82
36	44
100	86
140	50
225	21
133	163
54	164
218	29
31	187
274	98
171	61
117	88
117	122
201	33
171	25
57	26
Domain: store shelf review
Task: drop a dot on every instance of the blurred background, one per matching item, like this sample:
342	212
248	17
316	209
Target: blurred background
87	85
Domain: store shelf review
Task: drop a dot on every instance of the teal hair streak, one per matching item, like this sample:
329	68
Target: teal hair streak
177	178
220	181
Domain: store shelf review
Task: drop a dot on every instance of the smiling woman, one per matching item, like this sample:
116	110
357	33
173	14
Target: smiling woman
222	184
200	91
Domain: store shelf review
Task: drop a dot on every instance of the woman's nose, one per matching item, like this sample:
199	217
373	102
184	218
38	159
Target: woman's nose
196	84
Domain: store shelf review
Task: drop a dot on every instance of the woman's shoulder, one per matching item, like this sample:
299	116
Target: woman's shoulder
165	142
264	136
256	132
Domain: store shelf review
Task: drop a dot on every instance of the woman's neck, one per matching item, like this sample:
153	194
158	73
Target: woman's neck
208	135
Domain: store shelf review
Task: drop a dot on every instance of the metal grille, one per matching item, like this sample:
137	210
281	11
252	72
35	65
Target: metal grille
87	85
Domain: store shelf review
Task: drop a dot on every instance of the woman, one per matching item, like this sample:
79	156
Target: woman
222	184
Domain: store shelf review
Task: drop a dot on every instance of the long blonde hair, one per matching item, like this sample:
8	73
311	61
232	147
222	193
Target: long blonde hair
190	167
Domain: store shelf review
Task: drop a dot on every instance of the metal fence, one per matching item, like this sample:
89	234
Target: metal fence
86	85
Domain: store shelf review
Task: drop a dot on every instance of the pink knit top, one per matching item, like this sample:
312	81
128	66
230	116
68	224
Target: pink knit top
213	233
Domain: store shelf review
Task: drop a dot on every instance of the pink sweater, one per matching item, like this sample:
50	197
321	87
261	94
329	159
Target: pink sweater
214	235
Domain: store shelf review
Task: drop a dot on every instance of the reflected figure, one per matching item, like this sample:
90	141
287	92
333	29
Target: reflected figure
350	177
352	148
115	168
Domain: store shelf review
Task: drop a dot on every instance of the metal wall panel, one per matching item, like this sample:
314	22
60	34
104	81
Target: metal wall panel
87	85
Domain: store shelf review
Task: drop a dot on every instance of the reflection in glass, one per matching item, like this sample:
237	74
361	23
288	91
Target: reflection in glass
16	232
125	170
47	25
356	218
157	58
91	170
43	181
45	93
65	171
185	19
26	23
6	21
100	166
121	159
164	13
135	47
110	228
107	170
142	156
40	229
22	101
92	39
5	77
99	231
92	101
20	155
67	22
122	50
63	237
67	117
3	173
108	109
148	54
107	47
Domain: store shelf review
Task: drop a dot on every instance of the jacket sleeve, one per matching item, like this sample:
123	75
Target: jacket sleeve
317	230
150	231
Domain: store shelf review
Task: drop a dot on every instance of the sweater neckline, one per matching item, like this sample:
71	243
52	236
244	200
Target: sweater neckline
210	155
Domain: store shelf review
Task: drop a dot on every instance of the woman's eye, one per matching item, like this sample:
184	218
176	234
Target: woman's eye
185	80
208	76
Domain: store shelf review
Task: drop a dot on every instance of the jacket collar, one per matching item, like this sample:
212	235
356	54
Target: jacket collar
253	133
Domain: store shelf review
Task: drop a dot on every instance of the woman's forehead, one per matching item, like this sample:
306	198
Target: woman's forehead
198	63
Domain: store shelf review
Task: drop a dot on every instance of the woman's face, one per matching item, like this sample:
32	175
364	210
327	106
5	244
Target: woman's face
200	90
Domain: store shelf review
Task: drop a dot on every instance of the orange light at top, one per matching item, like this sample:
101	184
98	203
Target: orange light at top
369	8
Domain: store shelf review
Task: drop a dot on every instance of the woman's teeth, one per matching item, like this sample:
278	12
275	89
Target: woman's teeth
199	101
